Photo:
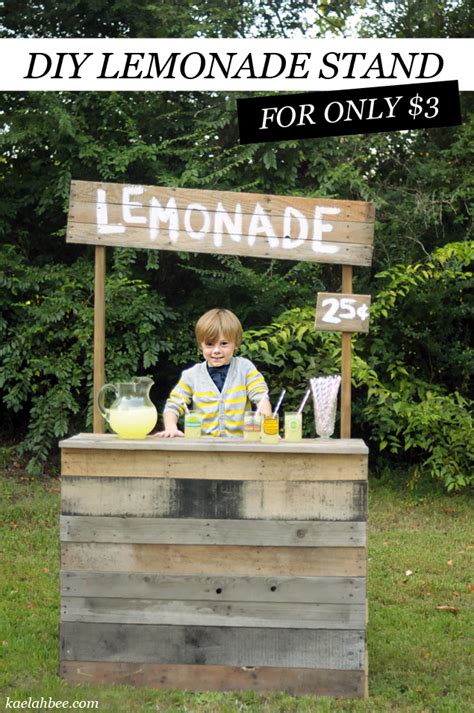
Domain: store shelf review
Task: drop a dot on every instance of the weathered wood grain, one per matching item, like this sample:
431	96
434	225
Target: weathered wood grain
279	615
85	213
193	531
173	578
137	585
213	560
353	324
313	446
256	465
294	681
357	211
215	499
338	253
365	693
234	646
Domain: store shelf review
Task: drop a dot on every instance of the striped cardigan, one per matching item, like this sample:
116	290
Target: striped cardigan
222	412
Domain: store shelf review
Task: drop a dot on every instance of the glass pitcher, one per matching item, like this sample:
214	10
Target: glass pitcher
132	414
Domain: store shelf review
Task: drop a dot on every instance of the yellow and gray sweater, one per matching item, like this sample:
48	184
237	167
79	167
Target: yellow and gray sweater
222	412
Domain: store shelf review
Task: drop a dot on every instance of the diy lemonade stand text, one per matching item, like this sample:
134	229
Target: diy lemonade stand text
218	564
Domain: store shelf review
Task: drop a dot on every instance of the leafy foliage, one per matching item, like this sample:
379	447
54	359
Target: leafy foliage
425	18
402	403
46	318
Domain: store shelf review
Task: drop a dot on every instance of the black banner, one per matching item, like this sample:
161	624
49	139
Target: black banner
310	115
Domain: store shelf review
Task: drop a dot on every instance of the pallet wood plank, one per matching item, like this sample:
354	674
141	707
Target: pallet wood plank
110	610
86	192
215	499
336	590
234	646
85	213
339	253
209	560
193	531
208	444
264	679
230	466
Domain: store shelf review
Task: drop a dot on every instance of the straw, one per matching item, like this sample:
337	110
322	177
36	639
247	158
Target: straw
303	403
265	396
325	390
279	403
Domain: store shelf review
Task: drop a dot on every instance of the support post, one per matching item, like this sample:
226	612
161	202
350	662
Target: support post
346	362
99	334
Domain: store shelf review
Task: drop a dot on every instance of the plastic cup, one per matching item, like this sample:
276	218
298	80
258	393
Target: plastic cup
192	424
293	427
270	429
252	426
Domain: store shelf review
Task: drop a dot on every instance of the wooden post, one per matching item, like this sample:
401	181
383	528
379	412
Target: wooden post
99	334
346	362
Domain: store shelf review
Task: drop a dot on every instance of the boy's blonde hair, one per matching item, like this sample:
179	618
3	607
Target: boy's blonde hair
216	323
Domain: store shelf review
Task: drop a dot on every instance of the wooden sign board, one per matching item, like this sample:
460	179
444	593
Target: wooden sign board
336	312
246	224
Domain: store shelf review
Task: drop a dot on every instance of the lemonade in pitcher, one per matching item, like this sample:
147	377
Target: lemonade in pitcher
133	422
132	414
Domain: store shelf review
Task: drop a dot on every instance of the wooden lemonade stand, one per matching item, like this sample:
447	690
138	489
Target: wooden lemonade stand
218	564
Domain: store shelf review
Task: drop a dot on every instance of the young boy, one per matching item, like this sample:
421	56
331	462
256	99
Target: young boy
222	386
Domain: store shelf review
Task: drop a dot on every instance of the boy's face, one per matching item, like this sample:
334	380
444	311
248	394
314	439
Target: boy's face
218	353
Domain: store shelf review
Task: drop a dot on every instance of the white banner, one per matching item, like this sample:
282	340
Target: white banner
230	64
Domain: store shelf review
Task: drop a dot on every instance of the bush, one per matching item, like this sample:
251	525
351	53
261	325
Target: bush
46	323
400	403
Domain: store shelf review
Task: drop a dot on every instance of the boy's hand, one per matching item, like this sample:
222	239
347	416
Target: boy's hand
170	430
170	433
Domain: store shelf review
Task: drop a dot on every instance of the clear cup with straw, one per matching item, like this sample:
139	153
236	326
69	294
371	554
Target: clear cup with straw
294	422
252	426
270	424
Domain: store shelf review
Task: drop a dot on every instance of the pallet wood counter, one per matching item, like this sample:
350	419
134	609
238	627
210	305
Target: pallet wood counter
214	564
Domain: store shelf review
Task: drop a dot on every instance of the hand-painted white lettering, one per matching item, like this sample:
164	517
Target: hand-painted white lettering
319	227
330	315
261	223
346	304
343	308
169	215
128	205
218	223
206	221
233	225
102	217
363	312
325	248
288	241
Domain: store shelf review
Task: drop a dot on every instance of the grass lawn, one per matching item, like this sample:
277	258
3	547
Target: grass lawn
420	611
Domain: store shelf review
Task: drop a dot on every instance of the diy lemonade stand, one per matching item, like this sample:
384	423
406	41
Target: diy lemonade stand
218	564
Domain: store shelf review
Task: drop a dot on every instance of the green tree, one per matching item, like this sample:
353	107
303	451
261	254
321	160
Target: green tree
425	18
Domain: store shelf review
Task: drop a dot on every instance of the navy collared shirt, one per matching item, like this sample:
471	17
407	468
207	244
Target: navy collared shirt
218	374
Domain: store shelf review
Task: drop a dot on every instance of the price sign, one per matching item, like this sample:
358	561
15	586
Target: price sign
342	313
428	107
